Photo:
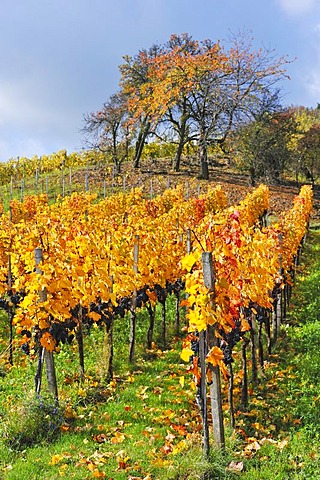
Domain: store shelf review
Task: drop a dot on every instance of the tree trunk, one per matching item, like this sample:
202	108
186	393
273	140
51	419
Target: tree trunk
182	139
204	173
144	131
177	159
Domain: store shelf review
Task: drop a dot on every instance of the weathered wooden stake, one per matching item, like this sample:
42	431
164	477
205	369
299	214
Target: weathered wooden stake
10	309
152	314
202	392
244	389
79	337
230	396
212	341
46	356
253	338
177	315
133	318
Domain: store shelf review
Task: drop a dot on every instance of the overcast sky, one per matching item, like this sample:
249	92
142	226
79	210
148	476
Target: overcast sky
59	58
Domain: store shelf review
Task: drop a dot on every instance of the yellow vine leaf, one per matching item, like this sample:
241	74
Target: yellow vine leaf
95	316
186	353
189	260
245	325
215	356
48	342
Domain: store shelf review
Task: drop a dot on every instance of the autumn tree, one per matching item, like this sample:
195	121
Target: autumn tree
107	130
203	91
178	116
262	146
189	90
303	142
309	150
134	85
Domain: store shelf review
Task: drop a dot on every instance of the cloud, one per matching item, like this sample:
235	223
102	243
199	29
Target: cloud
312	84
297	7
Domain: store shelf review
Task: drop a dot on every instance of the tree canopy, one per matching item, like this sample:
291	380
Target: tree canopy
200	93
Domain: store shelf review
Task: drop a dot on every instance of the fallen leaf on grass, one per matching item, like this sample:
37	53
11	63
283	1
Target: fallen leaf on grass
252	448
159	462
282	444
235	467
98	474
55	459
179	447
62	469
180	429
123	460
100	438
118	438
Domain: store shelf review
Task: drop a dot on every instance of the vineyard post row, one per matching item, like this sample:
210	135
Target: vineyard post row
253	298
231	235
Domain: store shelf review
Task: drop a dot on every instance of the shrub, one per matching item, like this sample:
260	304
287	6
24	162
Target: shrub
35	422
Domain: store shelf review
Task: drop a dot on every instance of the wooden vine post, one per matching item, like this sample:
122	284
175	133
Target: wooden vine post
132	337
177	313
152	313
253	338
277	307
70	180
11	308
10	311
212	341
45	355
244	388
108	343
202	392
79	338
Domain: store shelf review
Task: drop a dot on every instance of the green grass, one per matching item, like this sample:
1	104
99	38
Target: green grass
145	424
290	404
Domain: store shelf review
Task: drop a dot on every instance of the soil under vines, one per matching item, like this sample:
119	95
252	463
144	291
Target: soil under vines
158	173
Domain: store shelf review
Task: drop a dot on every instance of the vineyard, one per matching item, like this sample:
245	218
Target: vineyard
197	287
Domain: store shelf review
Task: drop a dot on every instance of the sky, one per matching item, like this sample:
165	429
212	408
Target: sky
59	59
